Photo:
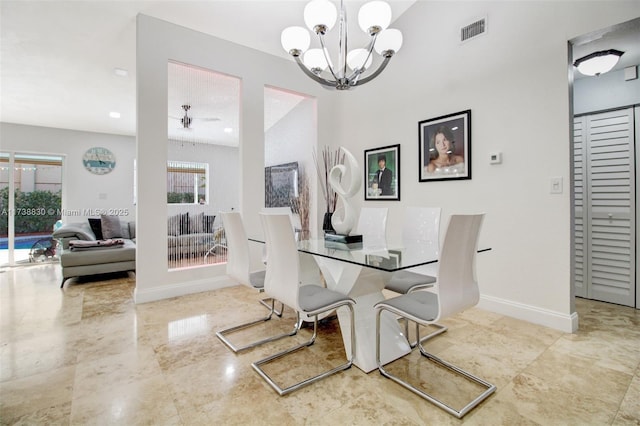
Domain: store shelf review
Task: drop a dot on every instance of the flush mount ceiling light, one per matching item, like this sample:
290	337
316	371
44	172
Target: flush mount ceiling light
320	16
598	63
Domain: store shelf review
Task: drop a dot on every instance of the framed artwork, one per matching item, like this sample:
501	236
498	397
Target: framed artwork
382	173
280	184
445	147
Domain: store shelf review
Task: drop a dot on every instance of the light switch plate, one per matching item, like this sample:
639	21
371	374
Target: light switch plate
495	158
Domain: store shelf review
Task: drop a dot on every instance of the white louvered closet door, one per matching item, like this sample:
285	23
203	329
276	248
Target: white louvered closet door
605	207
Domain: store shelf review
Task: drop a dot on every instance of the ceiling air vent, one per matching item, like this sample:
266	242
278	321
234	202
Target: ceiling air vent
473	30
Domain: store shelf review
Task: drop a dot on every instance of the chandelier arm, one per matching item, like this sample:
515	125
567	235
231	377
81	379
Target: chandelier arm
376	73
311	75
326	56
355	74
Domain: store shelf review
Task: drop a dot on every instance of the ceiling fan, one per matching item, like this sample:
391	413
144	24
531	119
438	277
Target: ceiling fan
186	120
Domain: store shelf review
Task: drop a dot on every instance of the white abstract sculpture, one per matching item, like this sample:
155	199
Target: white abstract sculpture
344	218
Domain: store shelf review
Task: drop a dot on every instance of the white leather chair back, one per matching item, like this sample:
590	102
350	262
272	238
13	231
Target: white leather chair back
283	270
422	223
457	282
237	247
276	210
372	225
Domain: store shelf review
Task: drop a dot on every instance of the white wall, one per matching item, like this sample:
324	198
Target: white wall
610	90
515	81
81	189
157	43
223	164
294	138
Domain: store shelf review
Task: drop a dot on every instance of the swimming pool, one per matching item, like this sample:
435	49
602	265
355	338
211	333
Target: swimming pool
25	242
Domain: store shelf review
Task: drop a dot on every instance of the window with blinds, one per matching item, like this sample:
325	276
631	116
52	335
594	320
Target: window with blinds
187	182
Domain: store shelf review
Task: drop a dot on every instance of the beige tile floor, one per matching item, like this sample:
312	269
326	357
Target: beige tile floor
88	355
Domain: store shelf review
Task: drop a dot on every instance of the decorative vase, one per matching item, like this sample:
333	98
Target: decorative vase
326	223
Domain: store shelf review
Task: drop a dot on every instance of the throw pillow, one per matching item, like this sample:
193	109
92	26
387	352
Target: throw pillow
196	225
208	224
79	231
111	227
96	227
184	224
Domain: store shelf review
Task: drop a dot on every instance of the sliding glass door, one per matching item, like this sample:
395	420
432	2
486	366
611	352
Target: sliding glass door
30	206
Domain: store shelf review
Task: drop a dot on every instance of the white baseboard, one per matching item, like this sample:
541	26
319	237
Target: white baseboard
181	289
533	314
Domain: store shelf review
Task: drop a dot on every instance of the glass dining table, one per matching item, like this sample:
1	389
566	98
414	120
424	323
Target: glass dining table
362	273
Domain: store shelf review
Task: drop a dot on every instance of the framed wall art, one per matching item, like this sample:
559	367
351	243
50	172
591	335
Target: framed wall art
445	147
280	184
382	173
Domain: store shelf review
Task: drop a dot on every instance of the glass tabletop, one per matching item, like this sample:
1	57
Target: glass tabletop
387	256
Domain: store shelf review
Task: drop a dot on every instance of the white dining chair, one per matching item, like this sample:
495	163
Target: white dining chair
456	291
372	225
282	282
421	225
275	210
238	269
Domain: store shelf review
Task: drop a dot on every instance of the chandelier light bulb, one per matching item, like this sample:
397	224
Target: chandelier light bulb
388	40
315	59
295	39
356	58
320	13
375	14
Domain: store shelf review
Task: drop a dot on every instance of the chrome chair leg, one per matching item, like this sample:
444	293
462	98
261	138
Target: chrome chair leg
283	391
439	330
265	303
222	334
458	413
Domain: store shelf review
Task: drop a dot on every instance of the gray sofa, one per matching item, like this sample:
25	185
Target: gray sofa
192	235
95	261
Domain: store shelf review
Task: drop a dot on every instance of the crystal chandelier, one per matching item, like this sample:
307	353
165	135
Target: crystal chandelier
320	16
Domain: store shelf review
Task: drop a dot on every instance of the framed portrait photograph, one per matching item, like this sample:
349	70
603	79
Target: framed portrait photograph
382	173
445	147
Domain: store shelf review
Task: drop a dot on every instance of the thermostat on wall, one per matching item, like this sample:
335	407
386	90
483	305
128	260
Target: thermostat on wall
495	158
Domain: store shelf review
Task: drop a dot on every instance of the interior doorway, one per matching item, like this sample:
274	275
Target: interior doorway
604	162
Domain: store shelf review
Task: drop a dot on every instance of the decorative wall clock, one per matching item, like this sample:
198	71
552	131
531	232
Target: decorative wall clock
99	161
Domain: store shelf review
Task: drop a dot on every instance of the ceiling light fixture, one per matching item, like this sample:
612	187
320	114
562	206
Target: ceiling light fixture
320	16
114	114
597	63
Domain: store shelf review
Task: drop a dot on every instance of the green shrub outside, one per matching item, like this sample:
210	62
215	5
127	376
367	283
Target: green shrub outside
32	212
180	198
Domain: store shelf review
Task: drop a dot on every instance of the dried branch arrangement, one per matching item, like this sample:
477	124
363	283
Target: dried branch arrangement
301	204
329	159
